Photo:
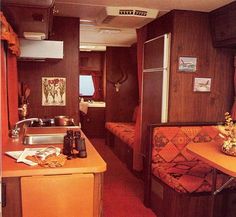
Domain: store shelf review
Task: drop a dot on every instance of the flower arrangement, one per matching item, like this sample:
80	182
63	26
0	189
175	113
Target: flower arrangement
228	133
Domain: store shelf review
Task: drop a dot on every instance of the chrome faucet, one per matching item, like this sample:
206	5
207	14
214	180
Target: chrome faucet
14	133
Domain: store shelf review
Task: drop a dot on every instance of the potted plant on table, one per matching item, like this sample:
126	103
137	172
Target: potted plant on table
228	133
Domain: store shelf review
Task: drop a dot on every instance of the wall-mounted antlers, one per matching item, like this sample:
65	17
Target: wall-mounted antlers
122	78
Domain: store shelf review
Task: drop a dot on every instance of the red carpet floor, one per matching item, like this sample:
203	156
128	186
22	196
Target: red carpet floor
123	192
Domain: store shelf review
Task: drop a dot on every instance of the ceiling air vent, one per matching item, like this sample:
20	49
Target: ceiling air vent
126	12
126	17
141	13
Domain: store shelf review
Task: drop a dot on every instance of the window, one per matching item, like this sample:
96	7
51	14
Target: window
86	85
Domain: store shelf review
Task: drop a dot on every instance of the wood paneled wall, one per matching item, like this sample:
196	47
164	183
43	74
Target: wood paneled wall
120	105
191	37
92	60
31	73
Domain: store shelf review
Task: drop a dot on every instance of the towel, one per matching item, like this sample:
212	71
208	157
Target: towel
83	107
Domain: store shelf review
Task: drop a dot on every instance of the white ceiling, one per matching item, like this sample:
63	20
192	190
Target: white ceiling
88	10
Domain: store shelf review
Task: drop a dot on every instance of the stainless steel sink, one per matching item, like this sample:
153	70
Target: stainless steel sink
46	135
32	139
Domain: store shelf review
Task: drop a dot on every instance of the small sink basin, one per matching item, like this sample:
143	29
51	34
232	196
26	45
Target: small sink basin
32	139
46	135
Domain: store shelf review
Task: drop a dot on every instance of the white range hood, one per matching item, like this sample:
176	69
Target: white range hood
40	49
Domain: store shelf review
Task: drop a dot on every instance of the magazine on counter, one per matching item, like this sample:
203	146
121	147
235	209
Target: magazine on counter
42	153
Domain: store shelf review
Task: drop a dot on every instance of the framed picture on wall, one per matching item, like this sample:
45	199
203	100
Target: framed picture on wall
202	85
53	91
187	64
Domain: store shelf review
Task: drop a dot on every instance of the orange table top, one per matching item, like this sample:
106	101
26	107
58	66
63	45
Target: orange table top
10	168
211	153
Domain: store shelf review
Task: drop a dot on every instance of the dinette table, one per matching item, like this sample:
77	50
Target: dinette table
211	154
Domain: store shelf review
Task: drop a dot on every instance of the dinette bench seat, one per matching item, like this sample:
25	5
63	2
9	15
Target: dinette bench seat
175	177
120	137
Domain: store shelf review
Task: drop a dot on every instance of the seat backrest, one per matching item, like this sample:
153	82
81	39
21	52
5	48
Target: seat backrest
169	142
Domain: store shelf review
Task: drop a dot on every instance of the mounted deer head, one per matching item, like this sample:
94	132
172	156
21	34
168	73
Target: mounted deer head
123	77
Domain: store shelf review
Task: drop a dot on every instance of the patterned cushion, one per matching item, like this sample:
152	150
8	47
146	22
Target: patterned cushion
169	143
175	166
187	176
124	131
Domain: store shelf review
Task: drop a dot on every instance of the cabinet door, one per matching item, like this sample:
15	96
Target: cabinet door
91	61
11	199
155	89
93	123
59	195
223	26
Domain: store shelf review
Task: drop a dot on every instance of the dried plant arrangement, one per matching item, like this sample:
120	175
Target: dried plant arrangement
228	133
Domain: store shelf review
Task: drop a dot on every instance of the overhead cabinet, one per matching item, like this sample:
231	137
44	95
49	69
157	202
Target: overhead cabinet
223	26
42	49
29	16
92	61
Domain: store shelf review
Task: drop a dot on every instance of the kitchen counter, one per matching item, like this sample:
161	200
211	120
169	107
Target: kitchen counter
80	181
84	106
10	168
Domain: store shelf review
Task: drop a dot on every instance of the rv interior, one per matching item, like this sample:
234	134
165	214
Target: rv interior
118	108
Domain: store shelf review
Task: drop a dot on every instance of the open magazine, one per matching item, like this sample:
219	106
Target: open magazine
42	153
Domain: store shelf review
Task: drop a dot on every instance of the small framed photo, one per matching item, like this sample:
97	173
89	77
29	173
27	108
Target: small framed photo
202	85
187	64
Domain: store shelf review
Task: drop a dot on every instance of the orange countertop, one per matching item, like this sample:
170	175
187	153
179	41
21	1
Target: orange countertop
10	168
211	153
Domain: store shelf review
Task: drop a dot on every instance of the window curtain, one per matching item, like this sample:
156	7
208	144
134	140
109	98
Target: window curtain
9	35
97	84
12	88
137	157
9	79
4	112
233	111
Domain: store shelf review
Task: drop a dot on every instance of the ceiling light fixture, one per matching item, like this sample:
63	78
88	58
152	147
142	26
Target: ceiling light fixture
92	47
109	31
87	22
